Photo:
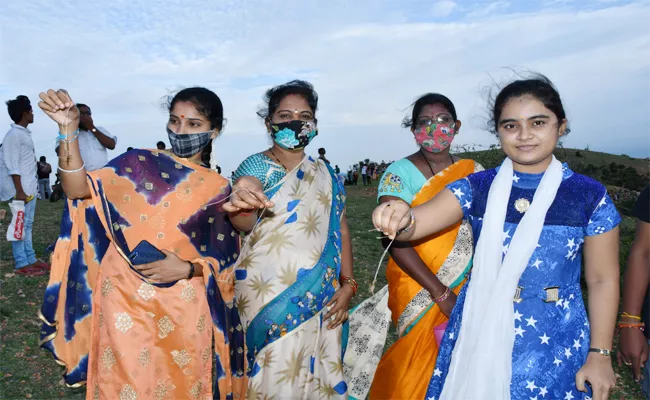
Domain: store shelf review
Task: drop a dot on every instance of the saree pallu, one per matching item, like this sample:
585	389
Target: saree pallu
129	338
287	272
406	367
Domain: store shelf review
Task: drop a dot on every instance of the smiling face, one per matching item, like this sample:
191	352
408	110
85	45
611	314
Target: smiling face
184	118
529	133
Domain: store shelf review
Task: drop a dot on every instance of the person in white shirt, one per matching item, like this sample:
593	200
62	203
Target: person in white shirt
364	175
18	180
93	141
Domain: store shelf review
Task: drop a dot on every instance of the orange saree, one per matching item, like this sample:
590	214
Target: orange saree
405	369
124	336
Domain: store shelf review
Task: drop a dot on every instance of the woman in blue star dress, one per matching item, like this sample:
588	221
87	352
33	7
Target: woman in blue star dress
557	347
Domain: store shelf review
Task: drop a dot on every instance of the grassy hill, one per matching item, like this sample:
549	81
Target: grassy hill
574	157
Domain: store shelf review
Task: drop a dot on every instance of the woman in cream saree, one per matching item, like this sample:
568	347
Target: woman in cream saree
294	276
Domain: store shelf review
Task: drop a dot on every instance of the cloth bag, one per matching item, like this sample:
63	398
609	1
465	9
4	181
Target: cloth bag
16	228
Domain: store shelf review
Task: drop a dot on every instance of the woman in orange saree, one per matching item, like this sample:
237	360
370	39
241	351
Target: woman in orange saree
108	318
423	278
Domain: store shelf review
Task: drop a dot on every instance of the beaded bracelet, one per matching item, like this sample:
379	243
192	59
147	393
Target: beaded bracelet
639	326
410	225
444	296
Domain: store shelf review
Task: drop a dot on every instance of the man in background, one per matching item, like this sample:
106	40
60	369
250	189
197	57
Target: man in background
364	174
161	145
44	170
321	155
18	181
93	141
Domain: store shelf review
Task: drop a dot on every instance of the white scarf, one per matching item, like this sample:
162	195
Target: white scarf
481	363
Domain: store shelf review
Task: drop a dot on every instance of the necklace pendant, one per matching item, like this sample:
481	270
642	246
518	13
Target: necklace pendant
522	205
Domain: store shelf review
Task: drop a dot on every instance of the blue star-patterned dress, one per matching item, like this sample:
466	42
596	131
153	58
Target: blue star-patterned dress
551	338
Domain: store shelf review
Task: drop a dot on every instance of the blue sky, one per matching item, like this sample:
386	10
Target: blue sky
368	59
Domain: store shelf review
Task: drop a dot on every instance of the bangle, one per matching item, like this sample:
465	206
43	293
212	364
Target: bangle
626	315
191	274
444	296
410	225
71	171
352	282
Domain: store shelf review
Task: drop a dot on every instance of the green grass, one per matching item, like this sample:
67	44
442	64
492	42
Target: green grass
26	371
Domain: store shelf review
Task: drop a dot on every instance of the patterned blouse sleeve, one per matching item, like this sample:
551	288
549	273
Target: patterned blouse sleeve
462	189
253	166
604	218
394	183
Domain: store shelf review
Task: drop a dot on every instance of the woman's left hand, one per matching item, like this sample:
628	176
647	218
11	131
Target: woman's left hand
599	373
170	269
339	306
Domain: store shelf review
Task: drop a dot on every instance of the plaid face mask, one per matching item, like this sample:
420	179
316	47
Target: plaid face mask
189	144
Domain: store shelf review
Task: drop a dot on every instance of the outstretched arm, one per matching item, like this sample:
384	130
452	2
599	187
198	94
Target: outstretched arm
410	262
431	217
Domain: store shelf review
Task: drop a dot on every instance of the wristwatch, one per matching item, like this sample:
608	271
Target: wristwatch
94	130
604	352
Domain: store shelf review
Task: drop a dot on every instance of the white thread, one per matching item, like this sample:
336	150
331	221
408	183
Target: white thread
381	260
259	219
241	250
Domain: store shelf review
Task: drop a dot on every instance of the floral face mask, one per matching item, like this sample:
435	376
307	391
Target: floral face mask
294	135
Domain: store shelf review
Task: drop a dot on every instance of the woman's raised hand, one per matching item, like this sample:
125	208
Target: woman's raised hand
391	217
59	106
247	195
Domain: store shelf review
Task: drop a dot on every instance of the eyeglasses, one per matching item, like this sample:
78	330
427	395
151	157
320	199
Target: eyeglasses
442	119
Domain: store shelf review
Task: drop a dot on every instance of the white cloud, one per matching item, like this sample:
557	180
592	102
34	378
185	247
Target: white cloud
366	59
486	9
443	8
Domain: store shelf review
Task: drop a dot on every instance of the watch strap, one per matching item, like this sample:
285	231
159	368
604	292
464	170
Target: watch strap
604	352
191	274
